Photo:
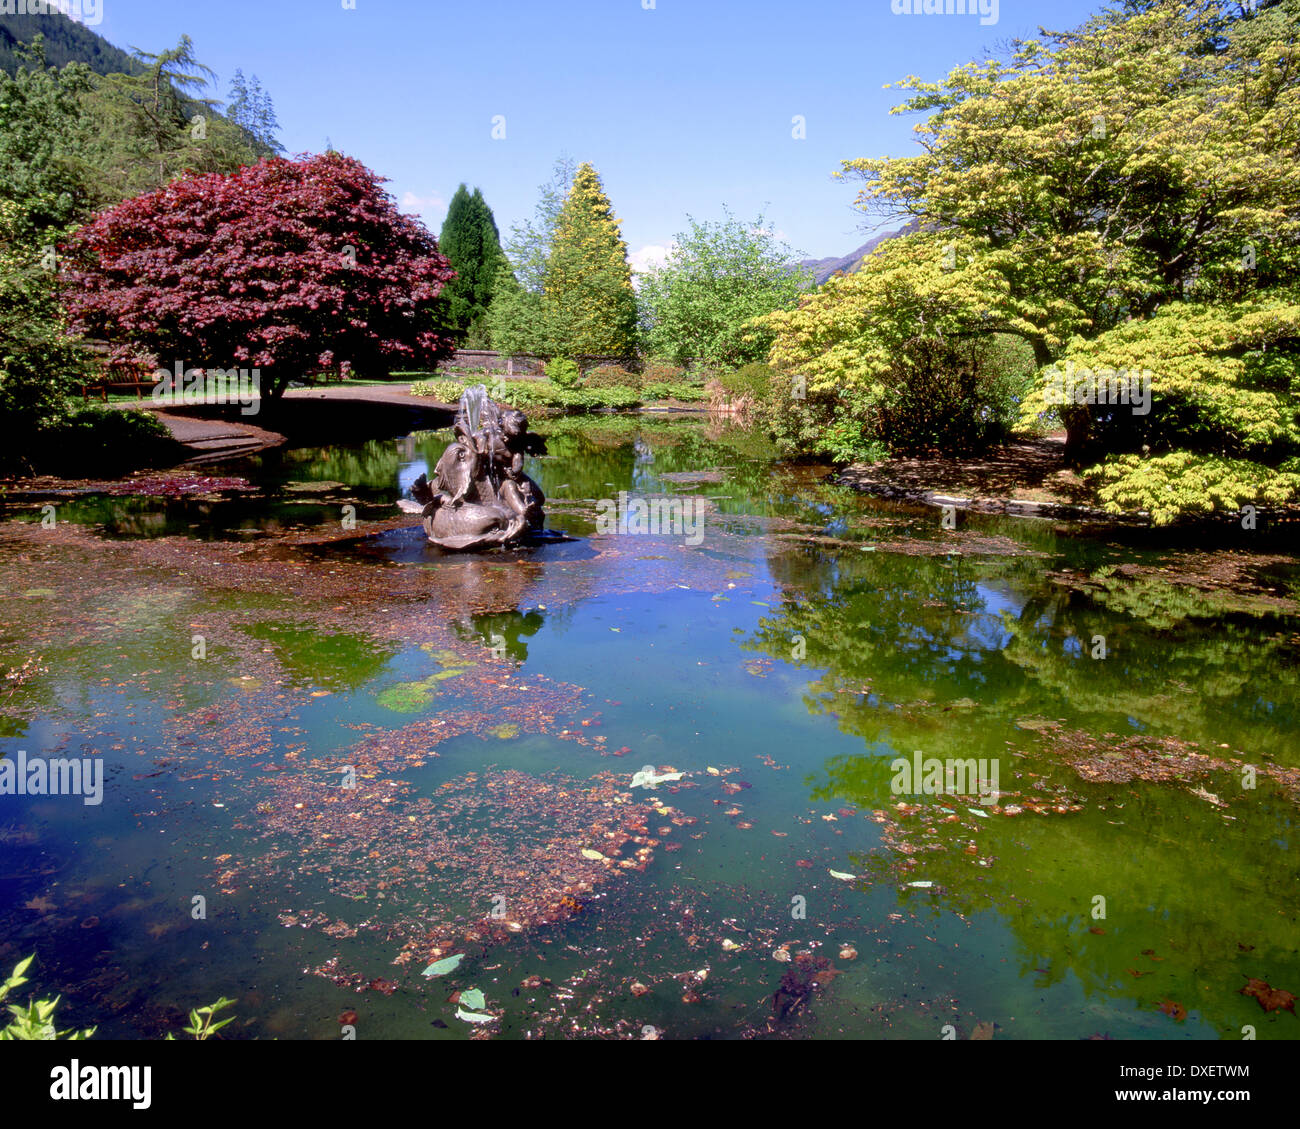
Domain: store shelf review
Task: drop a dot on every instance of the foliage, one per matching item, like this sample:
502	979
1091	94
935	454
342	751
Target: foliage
36	1021
716	280
685	391
472	245
1084	179
251	109
37	360
445	391
1221	427
588	305
106	441
563	373
610	376
752	381
545	394
202	1025
143	130
65	41
514	321
530	242
311	265
1182	483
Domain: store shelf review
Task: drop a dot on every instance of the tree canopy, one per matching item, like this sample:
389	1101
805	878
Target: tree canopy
1090	180
287	266
718	277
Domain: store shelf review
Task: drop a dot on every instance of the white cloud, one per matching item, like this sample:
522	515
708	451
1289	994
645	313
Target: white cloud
422	205
651	255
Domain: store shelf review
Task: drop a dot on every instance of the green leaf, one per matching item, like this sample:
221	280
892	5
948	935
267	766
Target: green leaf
444	966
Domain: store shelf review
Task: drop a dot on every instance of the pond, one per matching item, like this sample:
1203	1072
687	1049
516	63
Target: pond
826	769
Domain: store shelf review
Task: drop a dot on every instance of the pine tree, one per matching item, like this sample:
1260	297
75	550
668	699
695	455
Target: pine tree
471	241
251	108
588	301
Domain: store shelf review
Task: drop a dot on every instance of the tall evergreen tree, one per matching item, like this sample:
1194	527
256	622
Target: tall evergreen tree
588	301
471	241
250	108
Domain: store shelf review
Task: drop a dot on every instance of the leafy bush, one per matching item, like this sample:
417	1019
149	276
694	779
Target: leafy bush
753	381
563	373
108	441
661	372
445	391
611	376
682	390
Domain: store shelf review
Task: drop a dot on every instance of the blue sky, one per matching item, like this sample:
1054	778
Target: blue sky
683	107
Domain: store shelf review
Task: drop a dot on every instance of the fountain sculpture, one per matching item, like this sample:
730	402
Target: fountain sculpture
481	497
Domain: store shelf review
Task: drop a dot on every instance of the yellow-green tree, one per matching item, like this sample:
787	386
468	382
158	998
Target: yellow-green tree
1088	180
588	303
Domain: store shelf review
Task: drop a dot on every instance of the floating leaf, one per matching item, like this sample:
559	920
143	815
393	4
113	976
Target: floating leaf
472	997
594	856
842	876
474	1016
444	966
1270	998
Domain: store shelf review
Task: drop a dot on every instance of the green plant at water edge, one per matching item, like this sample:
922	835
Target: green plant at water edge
563	373
35	1022
444	391
201	1020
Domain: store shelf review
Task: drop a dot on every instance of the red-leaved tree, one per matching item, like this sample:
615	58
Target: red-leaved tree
287	266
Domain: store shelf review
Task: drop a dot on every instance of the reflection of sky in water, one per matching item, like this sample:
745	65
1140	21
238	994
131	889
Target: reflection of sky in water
409	472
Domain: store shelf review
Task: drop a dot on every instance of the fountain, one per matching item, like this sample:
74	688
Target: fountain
481	497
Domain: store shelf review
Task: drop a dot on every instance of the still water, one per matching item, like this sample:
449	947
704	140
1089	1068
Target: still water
335	758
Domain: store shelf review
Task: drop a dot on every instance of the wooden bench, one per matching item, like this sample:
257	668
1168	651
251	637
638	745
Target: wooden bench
103	386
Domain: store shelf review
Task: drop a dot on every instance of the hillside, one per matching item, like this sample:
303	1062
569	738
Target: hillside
65	41
823	268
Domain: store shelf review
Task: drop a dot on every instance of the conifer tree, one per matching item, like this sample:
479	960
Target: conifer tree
471	242
588	303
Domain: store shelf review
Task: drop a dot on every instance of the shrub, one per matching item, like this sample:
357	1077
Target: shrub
683	391
611	376
563	373
445	391
108	441
661	372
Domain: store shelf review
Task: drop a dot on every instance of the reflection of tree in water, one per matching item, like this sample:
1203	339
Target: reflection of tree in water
895	638
511	628
1179	661
909	654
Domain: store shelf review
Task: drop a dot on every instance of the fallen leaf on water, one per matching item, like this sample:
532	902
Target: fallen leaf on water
983	1031
473	1016
1169	1007
1270	998
444	966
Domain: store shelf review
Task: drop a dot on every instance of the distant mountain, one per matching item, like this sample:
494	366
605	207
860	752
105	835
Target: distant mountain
823	268
65	41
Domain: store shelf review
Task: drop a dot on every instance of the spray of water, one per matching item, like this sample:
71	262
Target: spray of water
471	405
